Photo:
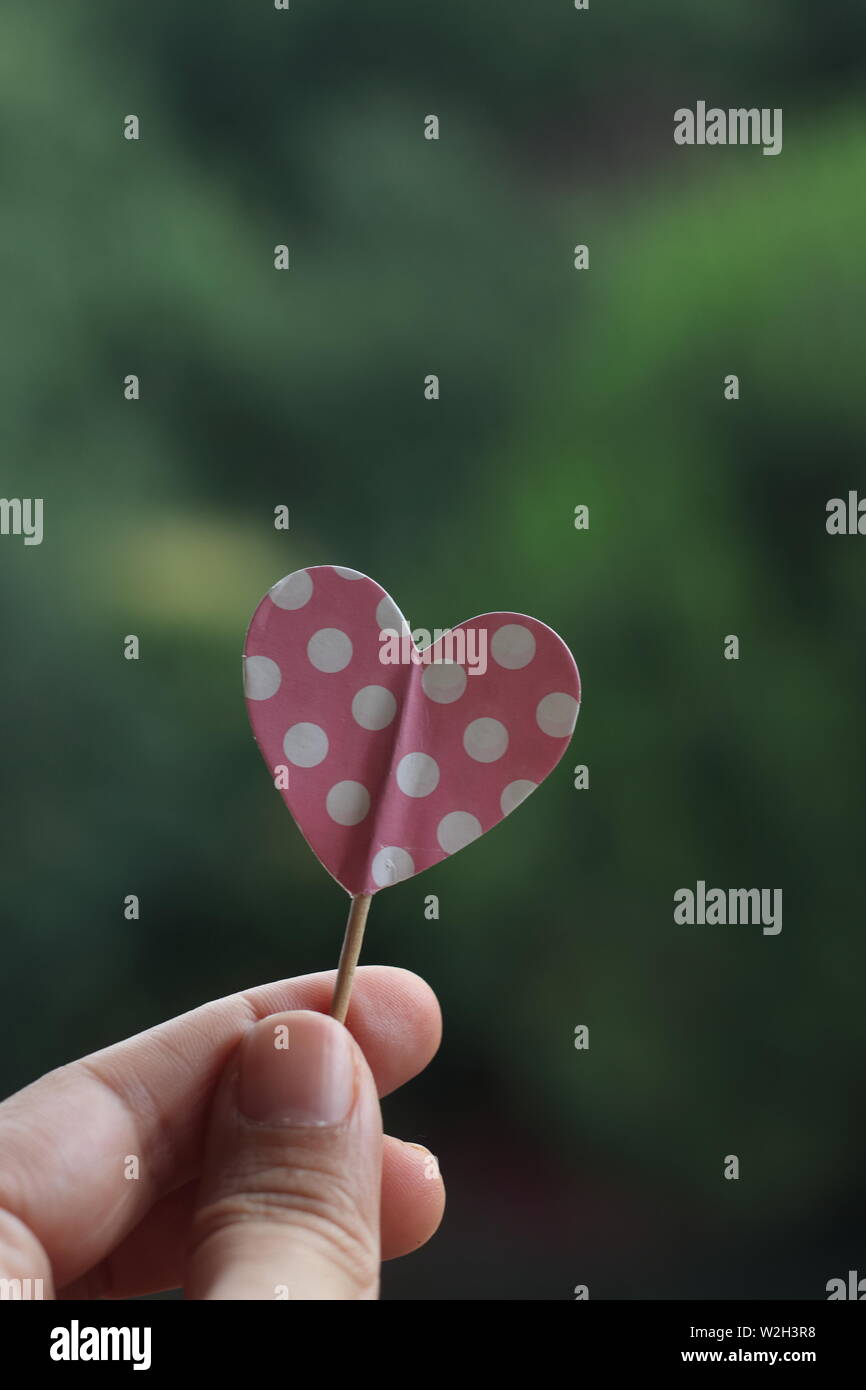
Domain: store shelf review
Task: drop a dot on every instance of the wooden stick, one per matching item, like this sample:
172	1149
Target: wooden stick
352	939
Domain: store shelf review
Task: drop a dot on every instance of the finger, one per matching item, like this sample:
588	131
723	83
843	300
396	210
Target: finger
413	1197
149	1260
82	1186
288	1204
24	1265
152	1257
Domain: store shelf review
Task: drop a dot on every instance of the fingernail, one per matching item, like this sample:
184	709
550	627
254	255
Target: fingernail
422	1148
297	1069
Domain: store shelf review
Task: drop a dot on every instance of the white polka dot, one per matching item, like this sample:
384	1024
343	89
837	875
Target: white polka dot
347	574
329	649
392	865
306	745
374	707
443	682
556	714
457	829
293	591
389	617
485	740
348	803
513	646
417	774
514	793
261	677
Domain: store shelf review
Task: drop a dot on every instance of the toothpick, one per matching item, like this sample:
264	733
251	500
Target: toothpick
352	939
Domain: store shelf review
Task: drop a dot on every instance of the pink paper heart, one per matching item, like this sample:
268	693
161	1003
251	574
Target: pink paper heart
393	767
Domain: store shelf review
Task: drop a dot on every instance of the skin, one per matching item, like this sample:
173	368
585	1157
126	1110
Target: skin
223	1207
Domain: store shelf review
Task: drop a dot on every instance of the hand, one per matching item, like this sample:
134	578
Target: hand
236	1150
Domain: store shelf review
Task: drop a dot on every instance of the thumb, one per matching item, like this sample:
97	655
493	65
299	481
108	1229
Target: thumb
288	1203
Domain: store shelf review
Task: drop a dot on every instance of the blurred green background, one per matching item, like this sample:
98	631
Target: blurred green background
558	387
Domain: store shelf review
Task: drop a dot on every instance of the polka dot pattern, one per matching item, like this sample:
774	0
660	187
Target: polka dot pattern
393	767
485	740
389	617
347	803
305	745
514	793
417	774
374	707
390	865
557	714
329	650
513	646
444	682
295	591
261	677
457	829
